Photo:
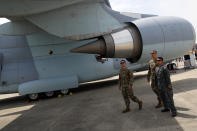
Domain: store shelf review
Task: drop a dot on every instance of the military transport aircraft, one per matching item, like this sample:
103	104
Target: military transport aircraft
54	45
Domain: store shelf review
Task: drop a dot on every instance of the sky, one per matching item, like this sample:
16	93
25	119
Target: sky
181	8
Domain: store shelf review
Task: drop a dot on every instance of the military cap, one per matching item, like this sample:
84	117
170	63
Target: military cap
122	61
159	58
154	52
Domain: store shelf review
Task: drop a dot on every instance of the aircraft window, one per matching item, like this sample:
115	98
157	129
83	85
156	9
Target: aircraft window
50	52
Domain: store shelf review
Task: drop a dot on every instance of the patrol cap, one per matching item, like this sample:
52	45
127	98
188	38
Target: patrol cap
159	58
154	52
122	61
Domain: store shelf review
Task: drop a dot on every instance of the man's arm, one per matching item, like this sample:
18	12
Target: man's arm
167	77
156	81
148	75
119	83
131	78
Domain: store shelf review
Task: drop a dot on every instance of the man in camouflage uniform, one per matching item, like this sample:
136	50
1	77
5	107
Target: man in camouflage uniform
163	82
151	77
125	84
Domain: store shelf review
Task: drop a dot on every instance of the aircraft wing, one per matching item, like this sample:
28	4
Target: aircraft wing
29	7
70	19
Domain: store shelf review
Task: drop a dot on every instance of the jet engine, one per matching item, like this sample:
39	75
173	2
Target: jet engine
170	36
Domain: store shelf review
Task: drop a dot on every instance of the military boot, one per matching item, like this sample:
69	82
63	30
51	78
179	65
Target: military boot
140	105
174	114
160	104
126	110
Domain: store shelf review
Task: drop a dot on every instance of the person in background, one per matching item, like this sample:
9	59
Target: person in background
163	81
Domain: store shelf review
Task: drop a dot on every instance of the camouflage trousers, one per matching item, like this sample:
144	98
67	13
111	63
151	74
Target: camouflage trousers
167	98
155	89
128	93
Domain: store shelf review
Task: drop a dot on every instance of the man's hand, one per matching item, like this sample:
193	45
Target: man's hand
169	87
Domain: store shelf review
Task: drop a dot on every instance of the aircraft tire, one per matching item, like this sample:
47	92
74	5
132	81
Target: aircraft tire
33	96
49	94
64	91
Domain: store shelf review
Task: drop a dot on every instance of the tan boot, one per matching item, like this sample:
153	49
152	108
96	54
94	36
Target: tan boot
126	110
159	105
140	105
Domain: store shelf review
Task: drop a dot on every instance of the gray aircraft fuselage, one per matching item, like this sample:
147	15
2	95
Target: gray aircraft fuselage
37	57
27	59
23	60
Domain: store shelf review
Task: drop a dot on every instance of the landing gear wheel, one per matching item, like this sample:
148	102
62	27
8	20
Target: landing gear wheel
64	91
33	96
49	94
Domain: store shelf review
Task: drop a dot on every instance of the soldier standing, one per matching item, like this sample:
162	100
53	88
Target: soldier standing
165	87
151	77
125	85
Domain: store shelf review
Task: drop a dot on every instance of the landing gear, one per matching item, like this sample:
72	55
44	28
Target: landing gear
49	94
33	96
64	91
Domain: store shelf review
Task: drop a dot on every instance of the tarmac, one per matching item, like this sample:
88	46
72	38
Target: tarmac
98	106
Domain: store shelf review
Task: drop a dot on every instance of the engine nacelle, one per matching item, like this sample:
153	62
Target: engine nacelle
170	36
125	43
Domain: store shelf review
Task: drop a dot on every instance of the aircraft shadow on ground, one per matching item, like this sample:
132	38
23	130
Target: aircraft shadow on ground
101	84
17	101
107	83
184	85
160	120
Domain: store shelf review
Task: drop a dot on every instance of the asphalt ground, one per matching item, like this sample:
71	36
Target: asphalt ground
97	106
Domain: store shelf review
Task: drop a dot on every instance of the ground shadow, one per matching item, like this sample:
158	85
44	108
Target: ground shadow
185	85
98	111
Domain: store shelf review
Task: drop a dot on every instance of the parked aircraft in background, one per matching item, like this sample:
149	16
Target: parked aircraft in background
55	45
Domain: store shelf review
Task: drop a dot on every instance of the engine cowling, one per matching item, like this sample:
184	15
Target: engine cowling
125	43
170	36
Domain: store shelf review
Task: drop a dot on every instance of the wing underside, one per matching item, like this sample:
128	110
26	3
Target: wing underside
74	20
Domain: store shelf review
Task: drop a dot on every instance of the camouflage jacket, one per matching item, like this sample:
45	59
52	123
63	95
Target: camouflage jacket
162	78
151	71
125	77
